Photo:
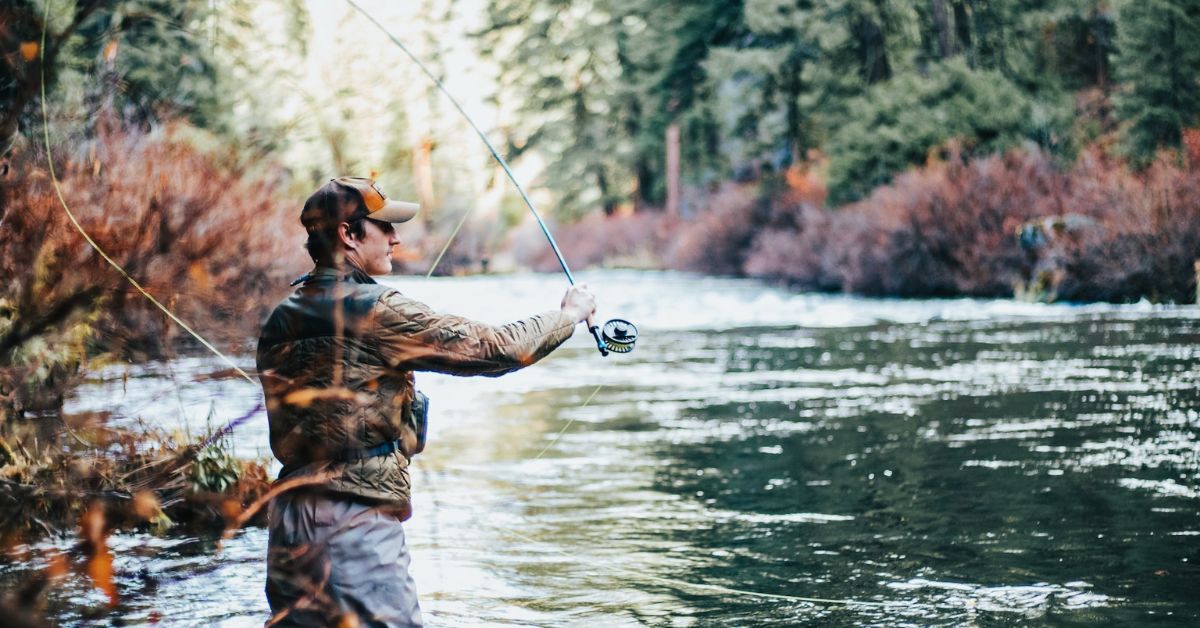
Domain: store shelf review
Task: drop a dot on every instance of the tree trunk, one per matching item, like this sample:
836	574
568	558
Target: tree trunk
795	124
423	174
872	47
962	27
606	199
673	169
941	22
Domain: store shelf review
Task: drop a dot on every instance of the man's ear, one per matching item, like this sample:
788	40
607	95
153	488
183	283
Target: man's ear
348	241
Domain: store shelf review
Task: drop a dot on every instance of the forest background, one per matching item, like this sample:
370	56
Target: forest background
913	148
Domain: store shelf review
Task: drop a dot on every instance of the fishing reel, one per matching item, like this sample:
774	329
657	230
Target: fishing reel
617	336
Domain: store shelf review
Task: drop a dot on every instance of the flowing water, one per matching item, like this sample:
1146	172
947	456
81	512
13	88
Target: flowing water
911	462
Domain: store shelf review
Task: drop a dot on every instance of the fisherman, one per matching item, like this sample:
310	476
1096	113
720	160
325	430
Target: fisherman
336	360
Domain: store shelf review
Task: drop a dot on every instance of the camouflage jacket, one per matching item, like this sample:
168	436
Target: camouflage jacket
336	361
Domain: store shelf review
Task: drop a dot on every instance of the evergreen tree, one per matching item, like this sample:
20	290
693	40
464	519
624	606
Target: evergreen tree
1159	68
599	82
144	59
559	60
896	124
676	89
766	86
256	69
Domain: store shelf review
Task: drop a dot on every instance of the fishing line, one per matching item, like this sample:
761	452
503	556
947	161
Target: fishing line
74	221
462	221
572	420
525	197
224	431
482	136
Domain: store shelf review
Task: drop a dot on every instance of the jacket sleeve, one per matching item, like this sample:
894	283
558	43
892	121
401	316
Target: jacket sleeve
413	337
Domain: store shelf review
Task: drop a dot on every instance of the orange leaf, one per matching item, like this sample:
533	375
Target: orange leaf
56	566
91	525
100	570
29	50
231	509
145	505
110	51
99	562
199	275
306	396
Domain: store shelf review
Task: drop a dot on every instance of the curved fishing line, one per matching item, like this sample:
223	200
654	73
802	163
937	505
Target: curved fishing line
482	136
74	221
231	425
508	171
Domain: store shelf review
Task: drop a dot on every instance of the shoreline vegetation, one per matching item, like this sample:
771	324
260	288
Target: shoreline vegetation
1012	225
186	227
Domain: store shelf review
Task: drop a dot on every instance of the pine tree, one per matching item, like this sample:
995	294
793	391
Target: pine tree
1158	65
560	64
144	58
673	86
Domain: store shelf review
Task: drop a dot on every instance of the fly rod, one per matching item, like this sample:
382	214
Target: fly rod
617	335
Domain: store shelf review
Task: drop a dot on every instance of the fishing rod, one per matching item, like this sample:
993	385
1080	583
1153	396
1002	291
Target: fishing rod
617	335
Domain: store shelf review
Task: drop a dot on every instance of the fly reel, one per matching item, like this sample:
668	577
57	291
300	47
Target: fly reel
617	336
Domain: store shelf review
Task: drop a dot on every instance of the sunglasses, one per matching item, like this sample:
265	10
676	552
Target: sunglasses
386	227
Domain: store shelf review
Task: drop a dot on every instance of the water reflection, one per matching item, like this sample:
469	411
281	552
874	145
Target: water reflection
937	463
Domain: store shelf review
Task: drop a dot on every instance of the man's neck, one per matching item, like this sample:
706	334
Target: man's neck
345	270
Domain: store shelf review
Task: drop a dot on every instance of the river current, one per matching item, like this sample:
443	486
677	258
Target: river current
950	462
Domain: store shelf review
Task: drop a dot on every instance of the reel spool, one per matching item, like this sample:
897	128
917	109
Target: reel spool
619	335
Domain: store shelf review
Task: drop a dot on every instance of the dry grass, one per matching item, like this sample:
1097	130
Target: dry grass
50	471
89	481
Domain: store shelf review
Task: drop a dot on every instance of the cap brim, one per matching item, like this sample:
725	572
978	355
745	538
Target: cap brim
395	212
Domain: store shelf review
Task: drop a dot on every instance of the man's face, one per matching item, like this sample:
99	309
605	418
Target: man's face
375	248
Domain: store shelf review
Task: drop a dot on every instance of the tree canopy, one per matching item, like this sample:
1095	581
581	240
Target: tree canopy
873	85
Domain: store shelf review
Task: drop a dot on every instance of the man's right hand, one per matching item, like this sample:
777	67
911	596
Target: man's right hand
579	304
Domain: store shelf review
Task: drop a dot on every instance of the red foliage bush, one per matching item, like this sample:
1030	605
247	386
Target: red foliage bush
985	227
946	229
775	230
1150	238
626	240
200	235
717	239
1104	232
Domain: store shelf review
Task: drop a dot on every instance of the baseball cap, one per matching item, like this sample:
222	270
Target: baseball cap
346	199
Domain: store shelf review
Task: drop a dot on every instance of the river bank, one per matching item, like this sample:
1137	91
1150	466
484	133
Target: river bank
1015	225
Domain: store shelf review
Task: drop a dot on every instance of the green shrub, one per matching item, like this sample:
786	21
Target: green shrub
898	122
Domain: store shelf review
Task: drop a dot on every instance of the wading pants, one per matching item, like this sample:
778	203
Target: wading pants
329	557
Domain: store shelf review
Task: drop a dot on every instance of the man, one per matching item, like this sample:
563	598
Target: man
336	360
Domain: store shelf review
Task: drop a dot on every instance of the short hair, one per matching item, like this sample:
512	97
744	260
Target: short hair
323	244
323	213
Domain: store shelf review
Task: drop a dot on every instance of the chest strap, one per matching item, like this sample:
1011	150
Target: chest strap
381	449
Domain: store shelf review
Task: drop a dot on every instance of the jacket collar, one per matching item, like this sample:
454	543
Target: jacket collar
350	273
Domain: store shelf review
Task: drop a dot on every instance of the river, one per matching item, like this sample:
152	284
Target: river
949	462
